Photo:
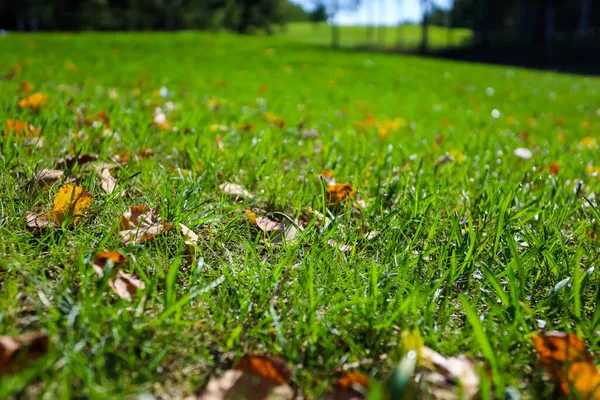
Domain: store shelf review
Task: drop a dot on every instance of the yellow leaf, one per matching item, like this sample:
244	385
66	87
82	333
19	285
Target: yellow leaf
33	102
71	200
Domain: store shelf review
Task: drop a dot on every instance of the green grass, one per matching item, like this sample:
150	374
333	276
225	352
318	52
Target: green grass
406	36
466	251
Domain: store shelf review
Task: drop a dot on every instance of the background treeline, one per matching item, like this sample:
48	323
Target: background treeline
73	15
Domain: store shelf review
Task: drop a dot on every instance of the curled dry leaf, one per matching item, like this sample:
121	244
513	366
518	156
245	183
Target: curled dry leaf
18	351
48	176
20	128
124	285
447	378
107	181
141	223
34	101
339	192
70	161
352	386
327	177
568	362
254	377
191	238
279	230
234	190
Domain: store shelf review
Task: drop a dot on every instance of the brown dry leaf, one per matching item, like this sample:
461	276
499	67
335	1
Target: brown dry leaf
235	190
69	161
26	87
34	101
37	221
71	200
554	168
190	236
352	386
339	192
447	378
341	247
569	364
107	181
20	128
48	176
278	230
124	285
18	351
254	377
141	223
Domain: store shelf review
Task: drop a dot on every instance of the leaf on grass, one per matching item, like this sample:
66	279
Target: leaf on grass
554	168
523	153
37	221
25	87
16	352
124	285
254	377
569	364
235	190
339	192
70	201
34	101
352	386
327	176
341	247
70	161
48	176
108	183
101	118
278	230
141	223
191	238
160	120
20	128
447	378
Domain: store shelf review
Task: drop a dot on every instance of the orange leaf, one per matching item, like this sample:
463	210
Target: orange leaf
271	368
554	168
34	101
20	127
568	363
102	258
353	379
338	192
26	86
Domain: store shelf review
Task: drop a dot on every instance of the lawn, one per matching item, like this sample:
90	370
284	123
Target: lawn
475	202
406	36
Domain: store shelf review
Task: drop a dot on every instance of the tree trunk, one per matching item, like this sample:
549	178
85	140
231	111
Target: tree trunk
549	29
425	26
584	23
335	35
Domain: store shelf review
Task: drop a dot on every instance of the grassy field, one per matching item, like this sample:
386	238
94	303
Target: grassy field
450	233
407	36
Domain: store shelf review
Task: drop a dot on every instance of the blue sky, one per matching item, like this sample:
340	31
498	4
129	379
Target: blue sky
369	12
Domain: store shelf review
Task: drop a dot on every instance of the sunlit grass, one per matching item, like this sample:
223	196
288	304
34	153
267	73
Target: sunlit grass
460	239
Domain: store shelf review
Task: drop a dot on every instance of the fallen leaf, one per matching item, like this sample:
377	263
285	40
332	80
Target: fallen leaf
34	101
20	128
190	236
327	176
446	378
235	190
278	230
554	168
26	87
70	201
352	386
339	192
107	181
124	285
70	161
16	352
15	70
568	362
341	247
37	221
48	176
254	377
523	153
141	223
160	120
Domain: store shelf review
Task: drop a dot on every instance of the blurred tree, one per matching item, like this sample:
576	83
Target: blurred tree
319	14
